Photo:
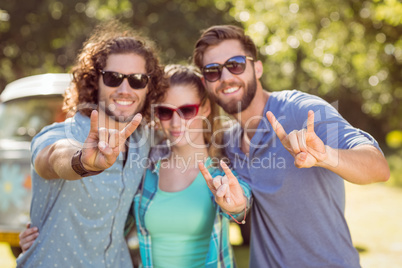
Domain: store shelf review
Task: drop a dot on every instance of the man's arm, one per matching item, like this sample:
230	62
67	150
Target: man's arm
54	161
99	151
362	164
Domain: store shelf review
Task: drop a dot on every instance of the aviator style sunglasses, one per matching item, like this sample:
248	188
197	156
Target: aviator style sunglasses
236	65
186	111
114	79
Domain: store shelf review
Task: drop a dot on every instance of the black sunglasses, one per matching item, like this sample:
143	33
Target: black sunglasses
186	111
236	65
114	79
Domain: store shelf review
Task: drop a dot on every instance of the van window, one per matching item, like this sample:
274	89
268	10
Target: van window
21	119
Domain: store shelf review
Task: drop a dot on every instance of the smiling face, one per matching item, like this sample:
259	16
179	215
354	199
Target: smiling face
179	131
121	103
232	92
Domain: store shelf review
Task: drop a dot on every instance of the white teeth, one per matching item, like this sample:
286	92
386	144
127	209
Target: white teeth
230	90
121	102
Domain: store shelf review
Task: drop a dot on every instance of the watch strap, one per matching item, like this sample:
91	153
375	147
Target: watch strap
77	166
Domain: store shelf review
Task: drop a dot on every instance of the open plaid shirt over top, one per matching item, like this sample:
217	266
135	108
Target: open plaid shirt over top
220	253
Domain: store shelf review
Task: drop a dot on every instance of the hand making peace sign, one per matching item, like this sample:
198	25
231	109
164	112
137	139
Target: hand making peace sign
304	145
228	193
102	146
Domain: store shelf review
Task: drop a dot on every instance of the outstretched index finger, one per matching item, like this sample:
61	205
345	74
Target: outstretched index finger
280	132
132	126
310	122
207	176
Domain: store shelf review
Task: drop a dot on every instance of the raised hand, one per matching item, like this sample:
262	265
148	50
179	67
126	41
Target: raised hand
304	145
102	146
228	193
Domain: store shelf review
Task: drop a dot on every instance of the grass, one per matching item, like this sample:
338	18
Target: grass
242	256
374	216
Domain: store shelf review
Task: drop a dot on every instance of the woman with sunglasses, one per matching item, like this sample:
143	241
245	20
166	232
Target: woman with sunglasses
179	222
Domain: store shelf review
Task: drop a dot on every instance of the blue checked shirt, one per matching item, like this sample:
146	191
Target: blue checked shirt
220	253
81	222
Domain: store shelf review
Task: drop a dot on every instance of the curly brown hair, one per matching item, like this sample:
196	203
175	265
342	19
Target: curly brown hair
216	34
107	39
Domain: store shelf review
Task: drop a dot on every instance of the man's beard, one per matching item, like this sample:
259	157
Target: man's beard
121	118
243	104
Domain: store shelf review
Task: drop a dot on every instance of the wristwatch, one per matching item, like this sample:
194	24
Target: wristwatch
77	166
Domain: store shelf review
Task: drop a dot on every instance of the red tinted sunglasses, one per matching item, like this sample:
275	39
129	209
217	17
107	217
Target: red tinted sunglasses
185	111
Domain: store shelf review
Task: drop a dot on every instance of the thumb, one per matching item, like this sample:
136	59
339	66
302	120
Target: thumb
300	159
222	190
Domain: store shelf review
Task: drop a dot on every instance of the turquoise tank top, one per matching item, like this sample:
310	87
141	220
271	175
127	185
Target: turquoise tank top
180	225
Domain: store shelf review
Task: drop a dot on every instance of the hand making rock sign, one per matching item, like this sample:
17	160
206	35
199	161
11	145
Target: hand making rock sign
99	151
102	146
228	193
304	145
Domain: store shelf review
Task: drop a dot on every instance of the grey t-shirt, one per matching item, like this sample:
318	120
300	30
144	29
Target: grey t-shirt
81	222
298	214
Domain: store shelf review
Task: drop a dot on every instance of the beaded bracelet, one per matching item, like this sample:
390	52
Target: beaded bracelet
244	219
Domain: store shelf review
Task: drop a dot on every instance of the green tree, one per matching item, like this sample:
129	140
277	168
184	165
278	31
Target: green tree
45	36
348	51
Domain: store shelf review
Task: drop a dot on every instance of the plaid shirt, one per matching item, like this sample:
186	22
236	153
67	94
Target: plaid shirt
220	253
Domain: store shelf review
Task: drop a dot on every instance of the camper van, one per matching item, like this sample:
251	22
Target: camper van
26	106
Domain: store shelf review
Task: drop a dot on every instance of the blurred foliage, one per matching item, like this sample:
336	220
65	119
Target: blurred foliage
395	165
394	139
42	36
348	51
